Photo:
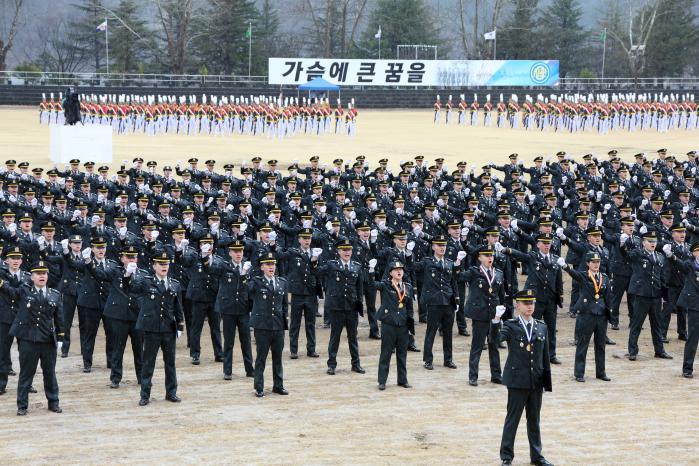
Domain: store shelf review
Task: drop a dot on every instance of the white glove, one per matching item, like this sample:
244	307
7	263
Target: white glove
13	198
670	178
464	231
243	227
131	268
560	191
564	180
499	311
531	198
272	218
214	228
76	214
643	230
46	209
94	219
12	228
410	246
316	252
183	244
150	217
644	202
591	193
86	253
246	267
634	179
133	206
34	202
443	185
436	215
248	210
685	209
373	235
64	245
59	345
607	207
154	235
272	236
205	248
561	262
179	333
292	204
498	247
667	193
559	233
41	241
566	203
667	249
209	201
599	196
440	202
399	211
70	195
513	224
323	209
329	227
599	222
372	264
622	188
460	255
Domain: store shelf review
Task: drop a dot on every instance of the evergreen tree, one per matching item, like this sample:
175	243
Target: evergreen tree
401	22
83	34
518	39
562	36
672	44
130	41
223	38
268	29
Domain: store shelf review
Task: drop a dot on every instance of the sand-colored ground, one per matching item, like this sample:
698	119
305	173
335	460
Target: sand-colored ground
648	414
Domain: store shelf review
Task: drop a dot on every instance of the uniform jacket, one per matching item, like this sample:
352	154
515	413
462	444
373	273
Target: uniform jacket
39	319
160	311
269	306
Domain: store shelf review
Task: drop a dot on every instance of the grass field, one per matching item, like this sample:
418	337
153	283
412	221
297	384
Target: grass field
647	415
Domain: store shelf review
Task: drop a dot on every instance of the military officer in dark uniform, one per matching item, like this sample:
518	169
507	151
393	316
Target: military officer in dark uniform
303	286
689	299
486	286
527	374
543	275
344	281
233	306
395	312
594	309
675	279
38	327
161	319
121	312
440	295
647	282
268	295
70	283
15	277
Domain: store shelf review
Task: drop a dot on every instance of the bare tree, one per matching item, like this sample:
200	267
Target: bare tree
176	17
58	52
7	41
334	24
471	39
640	15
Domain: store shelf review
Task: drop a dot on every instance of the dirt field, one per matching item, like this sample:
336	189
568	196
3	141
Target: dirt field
647	415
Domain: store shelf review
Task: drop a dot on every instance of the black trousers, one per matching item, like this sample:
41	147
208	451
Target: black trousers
338	321
5	358
242	324
548	312
574	293
620	285
690	347
69	305
670	307
305	307
421	308
370	298
201	311
588	325
152	343
643	307
264	341
89	323
393	337
460	316
30	354
517	401
480	333
187	311
438	316
121	331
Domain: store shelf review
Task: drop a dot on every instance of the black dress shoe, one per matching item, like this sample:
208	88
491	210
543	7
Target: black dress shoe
2	391
330	371
55	409
428	366
22	412
114	385
32	389
259	393
502	345
195	361
87	369
615	327
227	377
12	373
382	386
496	380
604	377
414	349
632	357
294	356
280	391
663	355
250	374
218	359
109	365
542	462
687	375
506	463
374	336
609	341
682	337
143	402
464	333
473	382
358	369
555	360
422	321
580	379
313	354
64	355
665	340
173	398
450	365
405	385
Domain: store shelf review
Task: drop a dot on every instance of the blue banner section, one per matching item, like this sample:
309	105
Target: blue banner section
526	73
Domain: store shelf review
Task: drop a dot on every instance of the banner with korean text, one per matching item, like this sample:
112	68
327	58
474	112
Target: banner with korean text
447	73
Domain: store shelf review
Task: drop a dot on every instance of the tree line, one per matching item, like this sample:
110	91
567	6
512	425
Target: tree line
637	37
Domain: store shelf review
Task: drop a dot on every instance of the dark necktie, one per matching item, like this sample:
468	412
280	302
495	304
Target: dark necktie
529	328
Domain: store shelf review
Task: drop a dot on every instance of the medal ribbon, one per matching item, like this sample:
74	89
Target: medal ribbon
528	333
401	296
595	283
488	277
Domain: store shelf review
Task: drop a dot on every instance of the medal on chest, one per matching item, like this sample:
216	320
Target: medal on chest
488	278
528	333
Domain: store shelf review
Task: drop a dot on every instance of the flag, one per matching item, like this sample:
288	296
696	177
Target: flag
378	34
248	32
102	26
489	35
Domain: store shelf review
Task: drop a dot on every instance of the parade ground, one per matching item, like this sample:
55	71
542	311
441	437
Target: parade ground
647	415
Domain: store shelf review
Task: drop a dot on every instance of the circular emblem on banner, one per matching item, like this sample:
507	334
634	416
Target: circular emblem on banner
539	72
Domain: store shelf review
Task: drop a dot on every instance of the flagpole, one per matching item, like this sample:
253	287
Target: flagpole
379	42
106	40
604	49
249	47
495	44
